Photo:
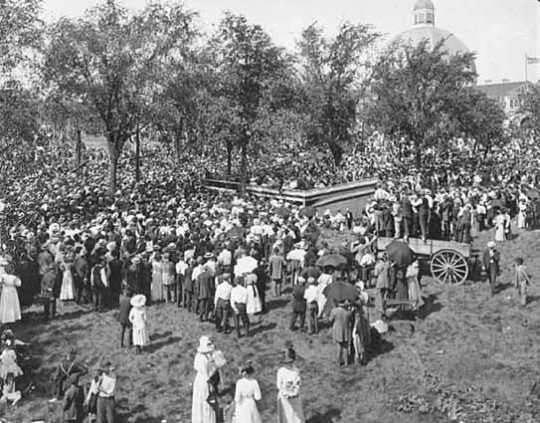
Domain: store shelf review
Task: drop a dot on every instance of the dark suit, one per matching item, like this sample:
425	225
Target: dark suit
123	318
204	282
491	264
73	404
80	278
298	306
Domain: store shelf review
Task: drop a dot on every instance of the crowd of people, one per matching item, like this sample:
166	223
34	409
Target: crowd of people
165	238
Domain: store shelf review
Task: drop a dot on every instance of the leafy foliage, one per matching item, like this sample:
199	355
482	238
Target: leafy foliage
419	94
335	74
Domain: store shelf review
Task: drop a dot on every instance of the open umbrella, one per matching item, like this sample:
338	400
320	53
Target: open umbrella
533	193
400	253
308	212
236	233
340	291
283	211
331	260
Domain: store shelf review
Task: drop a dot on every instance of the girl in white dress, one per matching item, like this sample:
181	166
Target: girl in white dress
522	214
246	395
10	309
289	405
137	317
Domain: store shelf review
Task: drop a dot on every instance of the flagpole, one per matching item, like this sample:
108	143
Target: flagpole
526	66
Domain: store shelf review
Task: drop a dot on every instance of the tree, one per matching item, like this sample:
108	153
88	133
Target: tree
247	61
19	37
334	73
530	110
482	119
18	115
108	60
418	94
19	32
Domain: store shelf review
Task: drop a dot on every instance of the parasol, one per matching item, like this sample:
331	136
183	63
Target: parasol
340	291
533	193
236	233
400	253
308	212
283	212
331	260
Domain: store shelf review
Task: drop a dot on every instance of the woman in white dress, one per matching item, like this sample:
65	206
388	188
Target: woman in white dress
137	317
289	403
522	214
246	395
499	222
10	309
206	367
253	305
67	290
157	278
413	286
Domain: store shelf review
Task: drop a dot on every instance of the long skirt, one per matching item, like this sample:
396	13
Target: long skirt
67	291
290	410
10	309
140	336
415	293
201	410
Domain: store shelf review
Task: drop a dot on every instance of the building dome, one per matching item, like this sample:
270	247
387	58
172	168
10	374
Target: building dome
424	29
424	4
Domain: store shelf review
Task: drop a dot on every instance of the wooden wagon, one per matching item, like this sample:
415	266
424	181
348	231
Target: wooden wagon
448	260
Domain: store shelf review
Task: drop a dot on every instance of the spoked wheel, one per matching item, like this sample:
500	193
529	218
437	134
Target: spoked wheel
448	266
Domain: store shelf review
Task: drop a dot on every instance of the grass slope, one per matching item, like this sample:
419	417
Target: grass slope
466	338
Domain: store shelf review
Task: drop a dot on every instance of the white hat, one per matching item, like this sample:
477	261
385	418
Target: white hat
491	244
205	345
138	300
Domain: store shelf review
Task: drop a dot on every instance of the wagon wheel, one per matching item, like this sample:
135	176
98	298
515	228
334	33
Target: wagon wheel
449	266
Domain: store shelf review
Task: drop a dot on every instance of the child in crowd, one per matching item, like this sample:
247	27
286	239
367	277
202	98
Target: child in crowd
521	281
137	317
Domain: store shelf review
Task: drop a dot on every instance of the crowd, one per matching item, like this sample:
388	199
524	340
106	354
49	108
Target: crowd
165	238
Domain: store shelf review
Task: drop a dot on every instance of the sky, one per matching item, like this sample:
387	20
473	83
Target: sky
501	32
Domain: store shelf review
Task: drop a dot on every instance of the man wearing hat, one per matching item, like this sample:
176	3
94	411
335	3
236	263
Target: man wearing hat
105	397
298	304
490	265
204	292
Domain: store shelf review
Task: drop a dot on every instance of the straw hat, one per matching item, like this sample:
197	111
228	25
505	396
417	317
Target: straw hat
205	345
491	244
138	301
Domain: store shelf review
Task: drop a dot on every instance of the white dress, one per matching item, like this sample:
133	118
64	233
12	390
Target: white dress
522	214
137	317
201	411
253	304
289	403
67	291
245	397
499	222
10	309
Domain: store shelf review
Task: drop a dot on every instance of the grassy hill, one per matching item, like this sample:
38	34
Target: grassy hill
470	356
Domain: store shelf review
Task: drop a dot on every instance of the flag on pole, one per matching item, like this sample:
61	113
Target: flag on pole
532	60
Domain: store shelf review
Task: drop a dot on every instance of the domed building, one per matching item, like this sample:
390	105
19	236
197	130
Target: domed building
424	29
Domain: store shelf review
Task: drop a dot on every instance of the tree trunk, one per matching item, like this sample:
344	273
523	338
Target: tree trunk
243	167
113	167
137	155
418	154
177	142
78	148
229	158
